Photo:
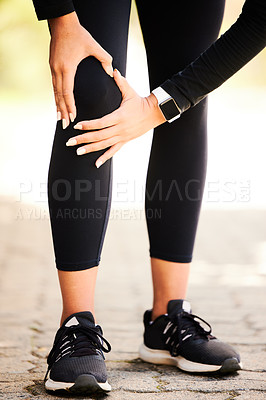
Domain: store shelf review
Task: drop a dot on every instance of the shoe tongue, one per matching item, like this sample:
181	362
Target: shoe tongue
84	318
176	306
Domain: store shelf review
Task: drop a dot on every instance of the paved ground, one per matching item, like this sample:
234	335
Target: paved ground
227	288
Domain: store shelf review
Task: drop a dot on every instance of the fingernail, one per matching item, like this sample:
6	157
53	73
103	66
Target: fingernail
98	164
81	151
78	126
64	123
118	71
59	116
71	142
71	117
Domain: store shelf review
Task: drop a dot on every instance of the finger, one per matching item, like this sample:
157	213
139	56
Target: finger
107	66
91	137
99	123
89	148
60	105
55	98
61	101
105	59
108	154
68	88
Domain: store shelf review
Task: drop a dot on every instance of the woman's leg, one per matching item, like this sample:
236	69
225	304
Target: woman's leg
77	288
175	33
79	201
79	193
170	281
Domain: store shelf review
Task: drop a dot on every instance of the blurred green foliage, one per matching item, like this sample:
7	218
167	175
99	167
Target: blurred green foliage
23	51
24	70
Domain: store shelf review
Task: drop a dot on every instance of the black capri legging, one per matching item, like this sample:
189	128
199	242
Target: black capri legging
175	33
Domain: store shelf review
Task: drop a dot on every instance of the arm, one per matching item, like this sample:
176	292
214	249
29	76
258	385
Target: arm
46	9
245	39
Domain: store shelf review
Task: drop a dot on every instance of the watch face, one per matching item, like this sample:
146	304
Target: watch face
169	109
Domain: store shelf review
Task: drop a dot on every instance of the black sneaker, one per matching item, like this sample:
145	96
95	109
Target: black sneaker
177	338
76	361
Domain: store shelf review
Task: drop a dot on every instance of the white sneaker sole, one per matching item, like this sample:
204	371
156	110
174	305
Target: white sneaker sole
83	384
164	357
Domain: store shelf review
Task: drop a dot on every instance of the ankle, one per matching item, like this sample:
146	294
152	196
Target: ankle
157	311
160	307
67	313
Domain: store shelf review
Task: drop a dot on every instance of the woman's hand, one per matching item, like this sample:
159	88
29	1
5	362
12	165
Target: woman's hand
70	44
135	116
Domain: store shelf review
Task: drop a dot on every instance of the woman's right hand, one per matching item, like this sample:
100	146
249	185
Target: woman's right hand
70	44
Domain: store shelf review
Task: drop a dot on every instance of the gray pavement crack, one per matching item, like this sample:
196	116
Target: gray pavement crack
250	324
254	370
36	329
161	384
233	395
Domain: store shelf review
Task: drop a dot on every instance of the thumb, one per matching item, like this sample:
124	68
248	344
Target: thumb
122	84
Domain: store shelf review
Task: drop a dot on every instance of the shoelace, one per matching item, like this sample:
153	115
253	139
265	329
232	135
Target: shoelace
76	341
182	327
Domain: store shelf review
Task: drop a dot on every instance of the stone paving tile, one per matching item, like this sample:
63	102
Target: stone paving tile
182	395
220	292
172	379
251	395
253	357
217	385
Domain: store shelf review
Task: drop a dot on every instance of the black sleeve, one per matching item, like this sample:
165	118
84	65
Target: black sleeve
243	41
46	9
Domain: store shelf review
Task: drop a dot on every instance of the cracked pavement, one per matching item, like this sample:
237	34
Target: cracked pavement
227	288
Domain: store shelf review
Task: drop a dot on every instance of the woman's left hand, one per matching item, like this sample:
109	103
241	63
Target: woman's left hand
135	116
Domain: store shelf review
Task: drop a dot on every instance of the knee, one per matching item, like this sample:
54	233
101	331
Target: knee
96	93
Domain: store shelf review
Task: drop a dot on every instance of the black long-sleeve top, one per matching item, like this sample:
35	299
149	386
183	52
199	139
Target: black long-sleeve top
235	48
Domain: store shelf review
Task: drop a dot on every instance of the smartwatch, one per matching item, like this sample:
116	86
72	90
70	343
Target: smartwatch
167	104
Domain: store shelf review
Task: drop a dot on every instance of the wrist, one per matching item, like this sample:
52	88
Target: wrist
64	21
153	102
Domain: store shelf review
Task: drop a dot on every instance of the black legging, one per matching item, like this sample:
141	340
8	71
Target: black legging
175	33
